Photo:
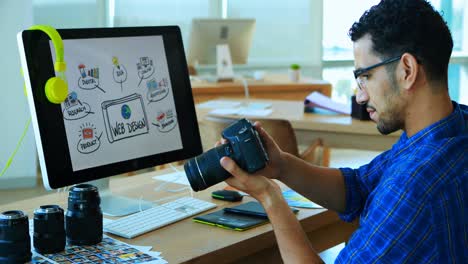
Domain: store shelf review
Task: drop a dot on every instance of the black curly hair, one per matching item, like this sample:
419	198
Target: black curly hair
413	26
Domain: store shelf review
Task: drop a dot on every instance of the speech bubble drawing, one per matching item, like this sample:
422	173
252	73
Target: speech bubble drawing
165	120
119	72
145	68
157	90
90	141
89	78
74	108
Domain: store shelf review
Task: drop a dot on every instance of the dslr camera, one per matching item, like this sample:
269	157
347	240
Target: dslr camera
244	146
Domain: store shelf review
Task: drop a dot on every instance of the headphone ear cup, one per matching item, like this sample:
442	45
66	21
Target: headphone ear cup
56	90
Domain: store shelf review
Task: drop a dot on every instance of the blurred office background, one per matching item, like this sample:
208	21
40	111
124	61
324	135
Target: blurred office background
312	33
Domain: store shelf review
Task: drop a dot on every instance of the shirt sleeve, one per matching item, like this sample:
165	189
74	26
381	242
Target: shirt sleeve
395	229
359	183
355	194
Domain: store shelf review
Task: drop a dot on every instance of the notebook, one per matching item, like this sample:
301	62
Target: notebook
237	222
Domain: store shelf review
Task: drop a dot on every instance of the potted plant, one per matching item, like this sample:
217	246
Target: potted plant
295	72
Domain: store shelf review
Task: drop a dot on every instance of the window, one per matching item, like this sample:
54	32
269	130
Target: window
337	48
312	33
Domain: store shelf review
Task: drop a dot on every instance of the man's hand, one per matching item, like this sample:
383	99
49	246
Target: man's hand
259	183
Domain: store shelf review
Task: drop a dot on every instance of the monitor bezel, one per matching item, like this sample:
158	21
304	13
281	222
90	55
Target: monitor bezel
47	118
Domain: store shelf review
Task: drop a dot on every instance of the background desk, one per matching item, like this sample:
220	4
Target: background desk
272	87
338	131
187	241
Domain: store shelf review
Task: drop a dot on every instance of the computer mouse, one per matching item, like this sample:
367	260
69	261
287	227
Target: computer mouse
227	195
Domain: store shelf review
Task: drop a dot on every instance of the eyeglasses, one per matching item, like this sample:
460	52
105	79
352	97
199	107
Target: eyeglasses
362	81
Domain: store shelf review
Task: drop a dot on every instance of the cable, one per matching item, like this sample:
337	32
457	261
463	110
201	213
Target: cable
10	159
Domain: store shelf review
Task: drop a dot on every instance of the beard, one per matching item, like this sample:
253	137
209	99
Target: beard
392	116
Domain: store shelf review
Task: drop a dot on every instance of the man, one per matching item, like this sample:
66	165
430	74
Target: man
412	199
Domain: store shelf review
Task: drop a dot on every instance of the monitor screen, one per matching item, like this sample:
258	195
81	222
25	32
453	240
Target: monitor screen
207	33
129	103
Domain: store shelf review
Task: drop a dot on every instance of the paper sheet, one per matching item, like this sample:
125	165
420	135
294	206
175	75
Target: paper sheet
175	177
294	199
316	99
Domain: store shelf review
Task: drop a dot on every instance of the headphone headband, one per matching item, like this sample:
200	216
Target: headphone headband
59	65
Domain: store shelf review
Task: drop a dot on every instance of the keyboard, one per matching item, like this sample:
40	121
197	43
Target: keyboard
157	216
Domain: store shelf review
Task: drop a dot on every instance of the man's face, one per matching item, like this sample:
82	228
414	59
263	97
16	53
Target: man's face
380	92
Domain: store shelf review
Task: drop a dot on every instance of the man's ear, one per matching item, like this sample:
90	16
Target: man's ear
409	70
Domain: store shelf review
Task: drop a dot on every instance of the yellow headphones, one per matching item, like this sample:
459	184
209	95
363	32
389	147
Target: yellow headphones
56	88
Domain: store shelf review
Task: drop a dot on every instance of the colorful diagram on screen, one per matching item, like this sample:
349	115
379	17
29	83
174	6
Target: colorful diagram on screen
75	109
89	78
119	72
145	68
124	117
89	140
157	90
165	120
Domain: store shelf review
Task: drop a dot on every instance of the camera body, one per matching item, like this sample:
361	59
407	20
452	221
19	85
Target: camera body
244	146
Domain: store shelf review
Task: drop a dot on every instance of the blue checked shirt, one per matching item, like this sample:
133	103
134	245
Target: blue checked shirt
412	200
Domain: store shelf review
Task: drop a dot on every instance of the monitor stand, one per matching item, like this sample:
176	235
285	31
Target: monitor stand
114	205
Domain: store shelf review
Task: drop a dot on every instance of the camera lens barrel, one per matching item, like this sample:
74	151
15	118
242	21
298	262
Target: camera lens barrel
49	229
83	219
244	146
15	242
204	170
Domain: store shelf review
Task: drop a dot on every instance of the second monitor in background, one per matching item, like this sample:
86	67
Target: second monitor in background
206	34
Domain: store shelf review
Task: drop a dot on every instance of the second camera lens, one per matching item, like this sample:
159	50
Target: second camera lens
49	229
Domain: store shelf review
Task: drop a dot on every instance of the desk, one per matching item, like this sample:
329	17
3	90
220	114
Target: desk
190	242
337	131
272	87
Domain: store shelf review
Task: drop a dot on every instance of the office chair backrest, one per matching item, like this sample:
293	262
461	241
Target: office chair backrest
280	130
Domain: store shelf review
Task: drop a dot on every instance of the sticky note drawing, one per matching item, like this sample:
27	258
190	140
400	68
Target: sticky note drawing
125	117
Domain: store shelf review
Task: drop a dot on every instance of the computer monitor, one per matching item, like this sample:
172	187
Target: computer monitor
129	104
206	34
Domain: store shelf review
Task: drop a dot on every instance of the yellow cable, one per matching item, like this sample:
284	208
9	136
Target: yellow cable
10	159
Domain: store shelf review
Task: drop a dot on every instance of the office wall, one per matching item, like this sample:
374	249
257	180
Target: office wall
15	15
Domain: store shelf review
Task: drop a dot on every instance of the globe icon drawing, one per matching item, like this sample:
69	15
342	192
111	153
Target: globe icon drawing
126	111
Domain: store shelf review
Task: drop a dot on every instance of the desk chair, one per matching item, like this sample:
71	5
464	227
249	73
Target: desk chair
280	130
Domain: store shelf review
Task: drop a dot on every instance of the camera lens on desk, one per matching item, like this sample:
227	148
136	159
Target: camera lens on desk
15	242
84	216
49	229
244	146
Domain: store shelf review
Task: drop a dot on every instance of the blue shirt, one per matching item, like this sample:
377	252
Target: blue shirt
412	200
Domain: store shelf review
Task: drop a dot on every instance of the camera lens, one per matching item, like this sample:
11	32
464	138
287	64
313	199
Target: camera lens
204	170
83	219
49	229
15	242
